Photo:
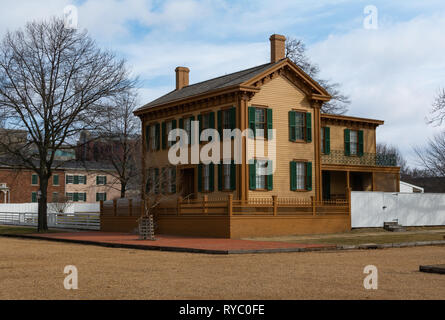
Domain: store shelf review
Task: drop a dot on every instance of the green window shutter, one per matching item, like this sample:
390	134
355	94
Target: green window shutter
269	134
192	118
211	122
55	180
252	175
212	177
232	118
75	196
293	175
327	139
33	196
181	123
199	177
158	136
76	179
97	180
147	137
173	180
85	196
174	124
233	175
219	120
269	176
292	124
97	196
251	111
105	196
220	176
105	179
164	138
309	176
360	143
34	179
200	127
308	127
347	142
84	179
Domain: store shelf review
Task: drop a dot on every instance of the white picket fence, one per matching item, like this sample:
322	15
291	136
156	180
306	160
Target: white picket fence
76	216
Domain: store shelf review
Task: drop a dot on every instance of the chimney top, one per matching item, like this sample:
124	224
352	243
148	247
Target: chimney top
277	47
182	77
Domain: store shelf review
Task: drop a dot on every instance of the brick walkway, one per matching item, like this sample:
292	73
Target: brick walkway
177	243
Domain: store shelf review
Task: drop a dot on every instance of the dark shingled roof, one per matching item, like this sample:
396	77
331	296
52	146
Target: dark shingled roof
225	81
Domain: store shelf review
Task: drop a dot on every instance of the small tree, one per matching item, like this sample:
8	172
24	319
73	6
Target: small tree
60	204
432	156
296	51
54	82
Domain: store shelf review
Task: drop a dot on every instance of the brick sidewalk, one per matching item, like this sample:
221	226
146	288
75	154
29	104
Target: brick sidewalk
177	243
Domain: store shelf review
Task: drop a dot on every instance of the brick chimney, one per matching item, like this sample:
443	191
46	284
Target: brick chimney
182	77
277	47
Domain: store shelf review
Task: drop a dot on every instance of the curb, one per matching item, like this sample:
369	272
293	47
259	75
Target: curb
366	246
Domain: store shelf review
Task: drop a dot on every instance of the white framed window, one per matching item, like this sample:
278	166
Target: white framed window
261	174
206	177
101	180
69	179
353	136
300	125
260	121
300	175
168	128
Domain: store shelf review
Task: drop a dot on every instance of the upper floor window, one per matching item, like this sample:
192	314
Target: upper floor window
101	180
55	180
76	179
167	127
34	179
153	145
260	122
353	142
300	126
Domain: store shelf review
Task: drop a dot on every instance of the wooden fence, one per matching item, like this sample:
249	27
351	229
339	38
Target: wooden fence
226	217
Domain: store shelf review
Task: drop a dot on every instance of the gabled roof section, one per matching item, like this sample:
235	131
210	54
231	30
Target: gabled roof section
241	78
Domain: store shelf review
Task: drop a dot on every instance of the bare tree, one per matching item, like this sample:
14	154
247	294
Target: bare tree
296	51
438	110
54	82
388	150
60	204
120	134
432	156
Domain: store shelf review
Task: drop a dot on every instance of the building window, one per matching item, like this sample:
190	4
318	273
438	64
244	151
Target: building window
169	127
55	197
34	179
82	179
55	180
188	128
33	196
206	177
76	196
172	180
300	175
226	176
153	137
101	180
260	122
76	179
261	174
205	121
227	119
69	179
300	126
101	196
353	142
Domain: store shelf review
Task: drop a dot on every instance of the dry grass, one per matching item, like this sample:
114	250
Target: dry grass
33	269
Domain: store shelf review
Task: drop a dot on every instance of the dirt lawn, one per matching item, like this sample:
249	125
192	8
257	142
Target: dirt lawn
33	269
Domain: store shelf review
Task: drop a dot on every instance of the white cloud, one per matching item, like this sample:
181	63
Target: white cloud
391	74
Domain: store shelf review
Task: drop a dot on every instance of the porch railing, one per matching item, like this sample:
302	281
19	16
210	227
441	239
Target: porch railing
367	159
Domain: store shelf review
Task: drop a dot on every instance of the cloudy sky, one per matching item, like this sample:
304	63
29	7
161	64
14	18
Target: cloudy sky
391	73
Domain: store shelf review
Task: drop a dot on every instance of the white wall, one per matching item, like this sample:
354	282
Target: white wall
371	209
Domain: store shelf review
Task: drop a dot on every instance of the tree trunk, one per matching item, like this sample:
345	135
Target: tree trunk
123	189
42	225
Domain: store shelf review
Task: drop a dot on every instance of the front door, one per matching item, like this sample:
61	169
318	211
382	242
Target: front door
188	182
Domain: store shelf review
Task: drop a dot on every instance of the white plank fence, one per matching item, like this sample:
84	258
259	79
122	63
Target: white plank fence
76	216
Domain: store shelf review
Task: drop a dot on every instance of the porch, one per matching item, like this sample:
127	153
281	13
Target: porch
229	218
